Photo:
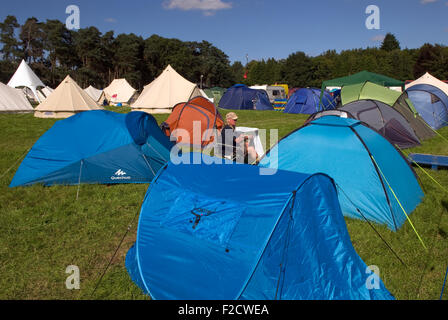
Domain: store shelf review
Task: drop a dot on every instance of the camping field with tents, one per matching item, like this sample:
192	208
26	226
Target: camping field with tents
139	167
46	229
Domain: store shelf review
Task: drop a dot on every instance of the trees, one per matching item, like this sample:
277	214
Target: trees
10	49
390	43
298	69
32	38
93	58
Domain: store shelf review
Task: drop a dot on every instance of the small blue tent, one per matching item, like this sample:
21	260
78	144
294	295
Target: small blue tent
431	103
241	97
255	237
372	175
96	147
306	101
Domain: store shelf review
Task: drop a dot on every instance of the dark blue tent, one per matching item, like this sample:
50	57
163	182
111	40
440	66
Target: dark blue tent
250	236
431	103
96	147
373	176
241	97
306	101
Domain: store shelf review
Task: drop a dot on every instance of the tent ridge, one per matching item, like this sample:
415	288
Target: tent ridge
378	173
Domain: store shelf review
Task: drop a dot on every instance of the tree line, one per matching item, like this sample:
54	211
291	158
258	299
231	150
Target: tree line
95	58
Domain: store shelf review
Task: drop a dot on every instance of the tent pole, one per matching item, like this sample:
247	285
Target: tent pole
79	180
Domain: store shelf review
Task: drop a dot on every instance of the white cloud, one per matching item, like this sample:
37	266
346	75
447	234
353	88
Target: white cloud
111	20
208	7
378	38
427	1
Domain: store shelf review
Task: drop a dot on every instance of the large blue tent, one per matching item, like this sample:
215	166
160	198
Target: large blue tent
306	101
241	97
431	103
251	236
375	181
96	147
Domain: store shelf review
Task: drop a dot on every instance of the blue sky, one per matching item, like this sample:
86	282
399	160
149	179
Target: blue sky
259	28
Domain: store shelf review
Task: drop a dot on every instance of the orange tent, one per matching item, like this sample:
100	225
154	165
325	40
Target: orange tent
194	121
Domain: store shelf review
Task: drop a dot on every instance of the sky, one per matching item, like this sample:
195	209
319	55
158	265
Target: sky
260	29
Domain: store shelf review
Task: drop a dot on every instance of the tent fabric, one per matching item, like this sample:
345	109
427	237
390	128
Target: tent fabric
164	92
47	91
372	174
306	101
96	147
431	103
241	97
66	100
119	91
429	80
195	122
385	120
254	237
398	101
430	98
368	91
94	93
215	94
25	77
362	77
13	100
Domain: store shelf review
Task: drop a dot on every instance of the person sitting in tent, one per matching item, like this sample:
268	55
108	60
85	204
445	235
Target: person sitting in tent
231	147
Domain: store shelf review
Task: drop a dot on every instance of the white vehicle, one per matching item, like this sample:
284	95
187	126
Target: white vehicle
274	92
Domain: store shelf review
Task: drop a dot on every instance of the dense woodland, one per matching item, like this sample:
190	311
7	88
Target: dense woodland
94	58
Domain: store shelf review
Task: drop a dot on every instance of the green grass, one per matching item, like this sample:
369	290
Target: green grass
45	229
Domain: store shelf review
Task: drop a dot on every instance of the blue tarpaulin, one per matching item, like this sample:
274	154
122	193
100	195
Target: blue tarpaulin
96	147
209	231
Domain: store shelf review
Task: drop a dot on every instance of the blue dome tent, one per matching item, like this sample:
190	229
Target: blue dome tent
372	174
431	103
96	147
306	101
256	237
241	97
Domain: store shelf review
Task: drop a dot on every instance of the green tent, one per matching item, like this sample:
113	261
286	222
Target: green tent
216	93
362	77
398	101
368	91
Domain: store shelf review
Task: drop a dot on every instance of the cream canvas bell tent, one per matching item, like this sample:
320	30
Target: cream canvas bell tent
164	92
94	93
66	100
428	79
120	91
13	100
25	77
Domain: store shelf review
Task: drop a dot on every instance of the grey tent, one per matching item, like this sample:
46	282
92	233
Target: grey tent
381	117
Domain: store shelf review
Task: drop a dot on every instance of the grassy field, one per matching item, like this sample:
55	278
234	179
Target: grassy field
43	230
